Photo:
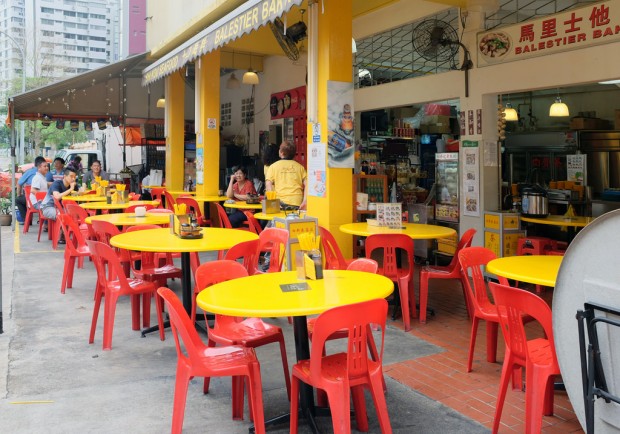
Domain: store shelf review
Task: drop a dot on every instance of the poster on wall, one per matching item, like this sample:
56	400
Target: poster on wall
288	103
340	125
471	179
317	174
199	165
576	168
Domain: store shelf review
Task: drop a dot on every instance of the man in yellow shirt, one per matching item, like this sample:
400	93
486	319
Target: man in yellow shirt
287	178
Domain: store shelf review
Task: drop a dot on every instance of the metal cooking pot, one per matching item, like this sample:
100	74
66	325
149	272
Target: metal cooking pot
534	202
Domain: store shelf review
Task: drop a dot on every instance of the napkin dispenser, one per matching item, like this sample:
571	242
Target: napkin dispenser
271	206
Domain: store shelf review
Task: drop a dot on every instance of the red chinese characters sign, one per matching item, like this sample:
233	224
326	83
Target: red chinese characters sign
578	28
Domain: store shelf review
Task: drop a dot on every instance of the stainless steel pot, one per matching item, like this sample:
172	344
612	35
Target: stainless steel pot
534	202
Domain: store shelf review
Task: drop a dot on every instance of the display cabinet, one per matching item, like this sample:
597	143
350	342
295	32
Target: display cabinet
376	190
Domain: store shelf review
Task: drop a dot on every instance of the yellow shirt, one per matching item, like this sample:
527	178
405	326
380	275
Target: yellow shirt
288	177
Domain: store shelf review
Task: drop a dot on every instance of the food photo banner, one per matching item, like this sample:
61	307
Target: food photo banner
288	103
583	27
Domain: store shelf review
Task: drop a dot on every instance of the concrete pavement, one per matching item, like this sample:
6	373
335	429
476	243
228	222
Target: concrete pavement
51	379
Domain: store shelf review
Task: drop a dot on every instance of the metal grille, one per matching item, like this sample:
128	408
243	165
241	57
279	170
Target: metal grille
390	56
517	11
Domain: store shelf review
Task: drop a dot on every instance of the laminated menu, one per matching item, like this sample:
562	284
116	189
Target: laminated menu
390	215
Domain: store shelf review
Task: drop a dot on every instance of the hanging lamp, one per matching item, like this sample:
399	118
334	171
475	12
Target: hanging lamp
250	77
233	82
558	108
510	113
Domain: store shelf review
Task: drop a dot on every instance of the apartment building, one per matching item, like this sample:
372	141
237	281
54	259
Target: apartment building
57	38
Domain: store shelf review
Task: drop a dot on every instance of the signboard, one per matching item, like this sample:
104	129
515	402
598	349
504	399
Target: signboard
583	27
288	104
471	179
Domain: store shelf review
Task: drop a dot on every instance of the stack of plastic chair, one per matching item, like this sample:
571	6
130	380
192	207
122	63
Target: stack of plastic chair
194	359
112	283
51	224
472	260
334	259
193	207
229	330
390	244
537	356
348	372
451	271
75	248
30	211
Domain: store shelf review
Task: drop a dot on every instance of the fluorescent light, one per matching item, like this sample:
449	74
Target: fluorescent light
609	82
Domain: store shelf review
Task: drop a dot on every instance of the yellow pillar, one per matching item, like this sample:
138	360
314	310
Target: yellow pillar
334	63
175	131
208	133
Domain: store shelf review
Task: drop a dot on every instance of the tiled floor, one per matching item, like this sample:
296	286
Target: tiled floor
443	376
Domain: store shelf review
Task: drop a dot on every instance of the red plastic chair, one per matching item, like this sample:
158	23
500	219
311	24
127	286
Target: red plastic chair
363	264
248	252
334	259
104	231
451	271
79	215
390	244
253	224
112	283
132	208
229	330
221	213
52	233
160	211
134	196
537	356
157	193
472	260
193	207
336	374
273	240
75	248
170	202
30	210
194	359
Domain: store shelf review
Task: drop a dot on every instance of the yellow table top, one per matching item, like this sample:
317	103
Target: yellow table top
214	198
560	220
105	205
416	231
241	204
176	193
131	219
85	198
536	269
240	297
153	186
263	216
161	240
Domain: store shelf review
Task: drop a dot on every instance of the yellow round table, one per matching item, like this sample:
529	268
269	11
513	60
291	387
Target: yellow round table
241	204
176	193
131	219
536	269
210	198
116	206
161	240
416	231
560	220
263	295
263	216
85	198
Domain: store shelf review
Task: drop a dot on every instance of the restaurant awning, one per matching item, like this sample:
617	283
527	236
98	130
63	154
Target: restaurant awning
99	93
250	16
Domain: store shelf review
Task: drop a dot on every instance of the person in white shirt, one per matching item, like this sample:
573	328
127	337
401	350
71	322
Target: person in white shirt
39	183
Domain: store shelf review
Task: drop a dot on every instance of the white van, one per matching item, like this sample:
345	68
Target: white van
88	156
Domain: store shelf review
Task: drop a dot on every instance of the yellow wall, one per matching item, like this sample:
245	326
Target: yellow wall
334	64
175	135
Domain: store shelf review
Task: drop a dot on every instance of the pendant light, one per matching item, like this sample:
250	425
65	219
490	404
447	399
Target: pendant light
250	77
161	102
233	82
510	113
558	108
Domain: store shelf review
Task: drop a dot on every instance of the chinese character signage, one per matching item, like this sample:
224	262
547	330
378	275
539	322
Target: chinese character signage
590	25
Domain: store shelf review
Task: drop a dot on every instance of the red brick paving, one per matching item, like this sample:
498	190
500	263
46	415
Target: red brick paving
443	376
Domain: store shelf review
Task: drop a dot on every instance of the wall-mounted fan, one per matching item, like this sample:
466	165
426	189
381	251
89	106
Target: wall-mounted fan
437	40
289	37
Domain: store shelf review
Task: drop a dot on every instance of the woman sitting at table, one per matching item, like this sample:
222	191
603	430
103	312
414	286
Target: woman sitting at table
238	189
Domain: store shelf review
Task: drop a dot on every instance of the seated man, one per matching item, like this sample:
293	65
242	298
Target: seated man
57	172
95	170
58	190
26	179
39	183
